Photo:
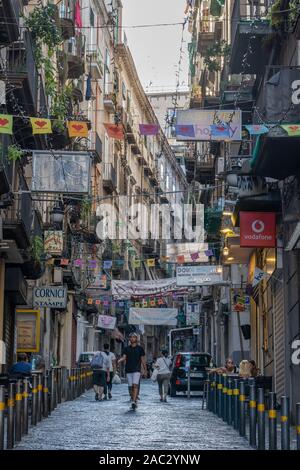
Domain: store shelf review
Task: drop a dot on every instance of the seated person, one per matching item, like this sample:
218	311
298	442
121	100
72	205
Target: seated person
22	366
254	370
229	368
244	369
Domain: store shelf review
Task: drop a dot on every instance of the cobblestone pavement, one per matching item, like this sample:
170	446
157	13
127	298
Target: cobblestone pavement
86	424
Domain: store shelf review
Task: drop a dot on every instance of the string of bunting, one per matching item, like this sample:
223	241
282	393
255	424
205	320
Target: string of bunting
80	128
94	264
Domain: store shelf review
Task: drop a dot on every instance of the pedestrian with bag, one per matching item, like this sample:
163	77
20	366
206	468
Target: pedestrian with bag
163	374
100	366
112	371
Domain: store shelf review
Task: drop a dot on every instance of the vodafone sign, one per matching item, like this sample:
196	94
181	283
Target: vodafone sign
257	229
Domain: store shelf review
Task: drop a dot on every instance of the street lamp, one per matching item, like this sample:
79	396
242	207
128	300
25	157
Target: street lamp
57	216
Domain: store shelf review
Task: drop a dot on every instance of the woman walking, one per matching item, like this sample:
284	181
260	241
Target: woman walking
163	365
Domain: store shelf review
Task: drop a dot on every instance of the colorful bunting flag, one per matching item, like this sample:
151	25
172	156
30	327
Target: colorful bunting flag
160	302
194	256
78	263
115	131
137	304
149	129
145	303
256	129
77	129
64	262
220	130
186	130
6	124
151	263
136	263
107	264
90	301
97	302
180	259
152	303
119	262
209	253
291	129
92	263
40	126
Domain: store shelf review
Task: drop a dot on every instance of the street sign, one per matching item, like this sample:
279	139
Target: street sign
199	275
51	296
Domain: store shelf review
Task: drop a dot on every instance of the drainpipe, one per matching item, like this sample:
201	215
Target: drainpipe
2	284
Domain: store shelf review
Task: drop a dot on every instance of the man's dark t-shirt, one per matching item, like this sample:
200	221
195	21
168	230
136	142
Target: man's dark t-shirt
133	358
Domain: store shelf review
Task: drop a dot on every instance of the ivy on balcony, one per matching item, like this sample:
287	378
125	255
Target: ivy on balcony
214	53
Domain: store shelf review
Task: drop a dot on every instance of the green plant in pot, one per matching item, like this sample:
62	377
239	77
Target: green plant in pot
14	153
34	267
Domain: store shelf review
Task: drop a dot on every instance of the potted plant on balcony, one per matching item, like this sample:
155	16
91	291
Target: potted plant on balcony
34	267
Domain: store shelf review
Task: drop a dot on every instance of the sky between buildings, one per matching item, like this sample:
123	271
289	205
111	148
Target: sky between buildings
156	51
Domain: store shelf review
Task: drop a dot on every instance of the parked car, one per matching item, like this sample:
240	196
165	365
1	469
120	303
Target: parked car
85	358
198	363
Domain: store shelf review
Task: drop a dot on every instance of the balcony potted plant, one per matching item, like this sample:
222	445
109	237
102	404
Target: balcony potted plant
34	267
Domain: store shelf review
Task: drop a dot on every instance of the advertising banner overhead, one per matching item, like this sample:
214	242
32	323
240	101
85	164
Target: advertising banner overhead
199	275
257	229
153	316
107	322
51	296
199	124
125	290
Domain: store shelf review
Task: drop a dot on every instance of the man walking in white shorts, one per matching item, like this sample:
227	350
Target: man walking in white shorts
134	357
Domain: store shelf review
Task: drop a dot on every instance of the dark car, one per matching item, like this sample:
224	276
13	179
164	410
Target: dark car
198	363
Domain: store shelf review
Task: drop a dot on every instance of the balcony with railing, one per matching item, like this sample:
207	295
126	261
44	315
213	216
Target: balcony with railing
95	60
279	106
20	73
17	221
10	12
6	167
249	26
109	179
66	18
74	49
109	98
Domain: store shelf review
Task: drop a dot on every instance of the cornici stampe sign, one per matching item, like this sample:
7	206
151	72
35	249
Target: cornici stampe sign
51	297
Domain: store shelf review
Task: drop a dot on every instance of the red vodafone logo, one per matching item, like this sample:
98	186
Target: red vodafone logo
258	226
257	229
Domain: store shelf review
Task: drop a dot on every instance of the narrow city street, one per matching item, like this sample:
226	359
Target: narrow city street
85	424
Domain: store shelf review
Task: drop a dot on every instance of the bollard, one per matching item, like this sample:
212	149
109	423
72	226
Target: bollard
219	400
298	425
236	393
59	384
34	404
19	404
39	398
272	422
285	423
253	414
45	397
229	402
52	387
242	409
224	397
210	394
55	387
261	419
11	416
25	405
2	415
215	393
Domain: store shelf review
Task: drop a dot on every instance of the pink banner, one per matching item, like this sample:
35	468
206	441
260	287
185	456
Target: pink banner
149	129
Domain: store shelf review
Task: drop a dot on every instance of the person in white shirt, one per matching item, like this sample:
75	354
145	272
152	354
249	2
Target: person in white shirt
112	370
163	365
